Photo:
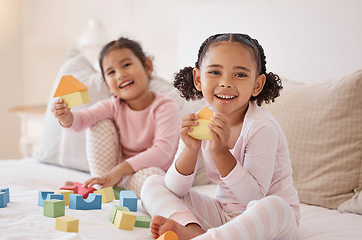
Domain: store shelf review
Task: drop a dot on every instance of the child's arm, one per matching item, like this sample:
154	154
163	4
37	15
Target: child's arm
185	163
180	175
220	134
62	113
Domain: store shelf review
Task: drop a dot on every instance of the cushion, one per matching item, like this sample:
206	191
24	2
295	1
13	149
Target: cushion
59	146
322	124
353	205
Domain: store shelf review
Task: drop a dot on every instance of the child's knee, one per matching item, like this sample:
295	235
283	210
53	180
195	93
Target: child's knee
154	180
151	183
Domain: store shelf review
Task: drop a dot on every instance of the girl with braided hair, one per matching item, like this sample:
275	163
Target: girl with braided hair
248	156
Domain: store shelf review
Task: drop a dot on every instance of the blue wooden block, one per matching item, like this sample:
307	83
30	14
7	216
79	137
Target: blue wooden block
42	196
55	196
3	202
94	201
128	199
7	194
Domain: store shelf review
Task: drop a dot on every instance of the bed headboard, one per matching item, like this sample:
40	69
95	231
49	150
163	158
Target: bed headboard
303	40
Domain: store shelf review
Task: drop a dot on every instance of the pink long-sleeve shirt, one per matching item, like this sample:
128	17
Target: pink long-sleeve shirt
263	166
149	138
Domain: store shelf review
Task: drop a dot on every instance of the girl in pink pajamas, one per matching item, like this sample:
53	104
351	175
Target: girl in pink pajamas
247	158
145	138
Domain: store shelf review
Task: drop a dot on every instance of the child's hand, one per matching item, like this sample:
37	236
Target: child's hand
187	121
108	180
220	134
62	113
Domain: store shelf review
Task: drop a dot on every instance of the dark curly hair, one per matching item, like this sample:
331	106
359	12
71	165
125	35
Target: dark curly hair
273	84
122	42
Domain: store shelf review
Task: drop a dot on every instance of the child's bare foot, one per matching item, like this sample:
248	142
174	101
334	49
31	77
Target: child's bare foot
160	225
68	183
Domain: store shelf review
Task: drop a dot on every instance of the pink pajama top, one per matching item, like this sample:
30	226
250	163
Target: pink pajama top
263	166
149	138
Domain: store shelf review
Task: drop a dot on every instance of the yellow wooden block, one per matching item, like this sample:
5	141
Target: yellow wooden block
124	220
169	235
107	194
201	131
66	194
76	98
67	224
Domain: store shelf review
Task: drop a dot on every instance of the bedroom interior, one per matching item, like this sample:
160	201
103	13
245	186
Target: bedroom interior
313	45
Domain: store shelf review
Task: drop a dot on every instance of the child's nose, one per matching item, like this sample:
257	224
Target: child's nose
225	82
121	75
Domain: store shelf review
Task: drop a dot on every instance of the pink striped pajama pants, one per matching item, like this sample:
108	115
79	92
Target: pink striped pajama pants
268	218
104	152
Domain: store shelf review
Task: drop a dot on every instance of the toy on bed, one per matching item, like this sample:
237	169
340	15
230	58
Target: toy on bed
72	91
4	197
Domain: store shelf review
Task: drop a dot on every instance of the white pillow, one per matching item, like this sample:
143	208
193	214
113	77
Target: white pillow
59	146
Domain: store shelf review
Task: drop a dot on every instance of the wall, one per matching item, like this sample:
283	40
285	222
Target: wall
38	33
300	38
10	75
303	40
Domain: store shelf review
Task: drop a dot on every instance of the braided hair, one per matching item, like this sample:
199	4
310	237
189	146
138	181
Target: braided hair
184	78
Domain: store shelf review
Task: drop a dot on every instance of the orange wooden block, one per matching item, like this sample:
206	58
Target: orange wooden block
169	235
205	113
69	84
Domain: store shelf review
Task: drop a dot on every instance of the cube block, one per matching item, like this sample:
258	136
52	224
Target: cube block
142	221
107	194
128	199
7	194
114	211
3	202
54	208
116	191
124	220
67	224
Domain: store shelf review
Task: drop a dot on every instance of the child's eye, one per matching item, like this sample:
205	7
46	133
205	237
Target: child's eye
215	72
126	65
241	75
110	73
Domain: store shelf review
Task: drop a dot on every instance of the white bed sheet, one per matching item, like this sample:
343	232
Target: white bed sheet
23	219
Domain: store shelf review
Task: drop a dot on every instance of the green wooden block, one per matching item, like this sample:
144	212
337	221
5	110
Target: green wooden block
116	191
54	208
142	221
114	211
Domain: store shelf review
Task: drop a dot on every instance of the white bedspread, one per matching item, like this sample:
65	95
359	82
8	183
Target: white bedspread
23	218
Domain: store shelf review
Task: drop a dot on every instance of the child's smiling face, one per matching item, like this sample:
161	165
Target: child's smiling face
228	77
125	75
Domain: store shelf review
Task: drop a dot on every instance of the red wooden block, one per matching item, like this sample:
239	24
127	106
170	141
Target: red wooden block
84	191
74	188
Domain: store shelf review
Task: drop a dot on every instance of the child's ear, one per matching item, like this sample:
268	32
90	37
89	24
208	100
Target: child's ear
259	84
148	66
197	80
